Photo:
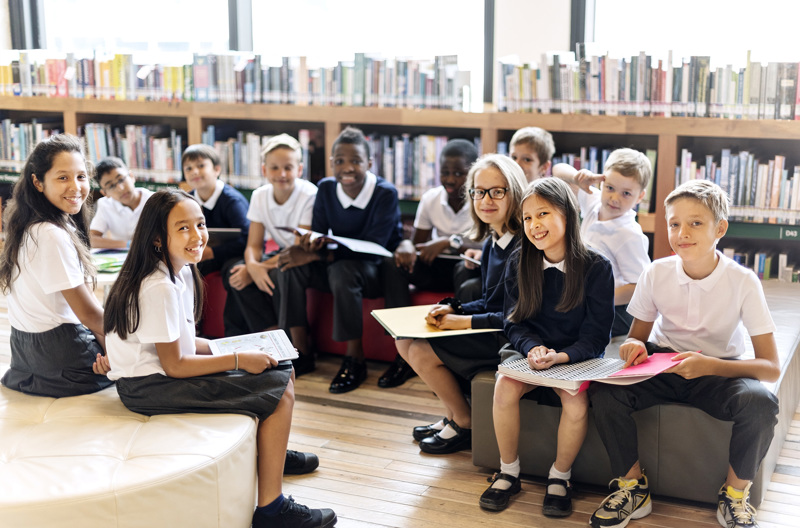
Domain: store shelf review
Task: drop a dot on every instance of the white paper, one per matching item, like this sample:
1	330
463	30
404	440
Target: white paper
273	342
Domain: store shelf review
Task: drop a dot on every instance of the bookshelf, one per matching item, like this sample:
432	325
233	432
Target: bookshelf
666	135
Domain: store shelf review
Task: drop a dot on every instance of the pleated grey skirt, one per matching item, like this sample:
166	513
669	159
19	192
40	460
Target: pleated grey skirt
467	355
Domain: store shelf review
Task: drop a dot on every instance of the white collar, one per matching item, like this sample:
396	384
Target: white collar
444	200
162	267
212	201
504	240
557	265
362	200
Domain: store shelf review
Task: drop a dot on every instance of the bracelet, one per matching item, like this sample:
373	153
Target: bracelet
236	357
453	303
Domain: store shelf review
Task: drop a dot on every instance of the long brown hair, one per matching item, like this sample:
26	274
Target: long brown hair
530	260
29	206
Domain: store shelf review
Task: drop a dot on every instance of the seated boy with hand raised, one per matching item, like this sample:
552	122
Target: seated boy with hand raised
118	211
609	223
696	300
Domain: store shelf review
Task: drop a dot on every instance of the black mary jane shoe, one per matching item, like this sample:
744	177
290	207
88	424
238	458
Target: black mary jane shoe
398	373
557	505
350	376
496	499
421	432
436	445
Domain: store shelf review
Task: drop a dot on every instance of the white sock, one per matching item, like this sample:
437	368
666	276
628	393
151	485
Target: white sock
556	489
509	469
447	433
438	425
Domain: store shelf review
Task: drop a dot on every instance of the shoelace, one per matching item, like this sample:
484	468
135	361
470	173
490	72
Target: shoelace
741	509
619	497
297	509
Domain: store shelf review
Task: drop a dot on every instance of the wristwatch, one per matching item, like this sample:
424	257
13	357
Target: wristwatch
456	241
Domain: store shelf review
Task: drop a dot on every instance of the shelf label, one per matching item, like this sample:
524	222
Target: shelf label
790	233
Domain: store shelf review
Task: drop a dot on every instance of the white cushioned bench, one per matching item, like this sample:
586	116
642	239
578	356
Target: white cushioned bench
87	461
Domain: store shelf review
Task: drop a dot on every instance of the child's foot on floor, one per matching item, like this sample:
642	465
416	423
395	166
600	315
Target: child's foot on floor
294	515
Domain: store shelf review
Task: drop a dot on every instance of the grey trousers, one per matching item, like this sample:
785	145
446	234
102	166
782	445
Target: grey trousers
349	281
743	401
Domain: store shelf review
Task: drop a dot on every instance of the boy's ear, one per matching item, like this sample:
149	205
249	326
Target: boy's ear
641	196
722	228
217	170
37	183
545	167
369	163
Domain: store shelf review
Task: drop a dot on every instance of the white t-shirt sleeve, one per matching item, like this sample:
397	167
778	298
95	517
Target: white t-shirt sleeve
100	221
755	314
423	219
632	259
642	305
56	260
307	209
159	310
258	207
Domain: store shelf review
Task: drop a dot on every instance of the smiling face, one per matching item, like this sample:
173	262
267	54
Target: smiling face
491	211
118	184
545	227
527	158
281	168
453	174
66	184
187	235
201	175
350	164
619	195
693	234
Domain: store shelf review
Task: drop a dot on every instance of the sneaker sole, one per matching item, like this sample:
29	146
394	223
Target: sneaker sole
643	511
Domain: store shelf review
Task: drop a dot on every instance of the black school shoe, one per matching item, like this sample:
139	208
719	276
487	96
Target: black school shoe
496	499
398	373
304	364
350	376
557	505
299	463
436	445
422	432
295	515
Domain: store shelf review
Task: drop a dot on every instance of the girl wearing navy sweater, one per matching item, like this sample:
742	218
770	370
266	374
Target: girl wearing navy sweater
565	316
447	364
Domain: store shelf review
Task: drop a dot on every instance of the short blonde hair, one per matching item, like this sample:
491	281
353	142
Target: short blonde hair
515	183
540	139
708	193
281	141
631	164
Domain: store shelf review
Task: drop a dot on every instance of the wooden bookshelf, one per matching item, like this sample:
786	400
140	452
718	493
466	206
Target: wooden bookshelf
664	134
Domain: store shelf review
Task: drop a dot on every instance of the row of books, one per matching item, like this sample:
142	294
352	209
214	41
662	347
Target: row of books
18	140
410	163
230	78
761	192
767	265
645	86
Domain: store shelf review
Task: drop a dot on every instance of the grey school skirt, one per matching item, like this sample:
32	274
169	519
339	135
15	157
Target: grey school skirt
467	355
236	392
55	363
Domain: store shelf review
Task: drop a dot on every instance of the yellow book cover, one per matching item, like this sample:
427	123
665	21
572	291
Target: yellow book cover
118	77
408	322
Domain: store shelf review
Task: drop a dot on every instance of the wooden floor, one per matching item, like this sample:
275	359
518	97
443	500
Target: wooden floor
373	474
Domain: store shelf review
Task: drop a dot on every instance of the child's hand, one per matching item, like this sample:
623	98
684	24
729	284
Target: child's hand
692	365
632	352
256	362
294	256
259	274
101	365
405	256
428	251
586	179
542	358
473	253
437	312
240	277
309	245
453	322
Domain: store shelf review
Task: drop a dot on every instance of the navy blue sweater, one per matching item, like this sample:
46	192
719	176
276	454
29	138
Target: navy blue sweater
379	222
583	332
487	312
229	211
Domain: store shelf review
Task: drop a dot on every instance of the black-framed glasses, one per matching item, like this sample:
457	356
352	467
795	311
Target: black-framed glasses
495	193
111	186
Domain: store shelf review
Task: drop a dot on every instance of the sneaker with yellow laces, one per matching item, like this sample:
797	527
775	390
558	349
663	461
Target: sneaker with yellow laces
733	508
631	500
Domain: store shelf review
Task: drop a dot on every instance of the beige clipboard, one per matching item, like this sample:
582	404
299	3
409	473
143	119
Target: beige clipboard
408	322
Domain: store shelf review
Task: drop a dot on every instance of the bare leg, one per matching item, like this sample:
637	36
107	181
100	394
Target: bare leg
571	428
272	440
441	380
402	346
505	410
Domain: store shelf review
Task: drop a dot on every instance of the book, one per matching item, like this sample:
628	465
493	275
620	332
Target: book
574	376
220	235
273	342
408	322
353	244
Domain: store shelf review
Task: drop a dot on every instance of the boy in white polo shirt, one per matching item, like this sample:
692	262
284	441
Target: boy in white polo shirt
696	300
609	223
286	200
118	211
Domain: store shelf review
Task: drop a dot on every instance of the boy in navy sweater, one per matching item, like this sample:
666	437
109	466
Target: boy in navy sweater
355	203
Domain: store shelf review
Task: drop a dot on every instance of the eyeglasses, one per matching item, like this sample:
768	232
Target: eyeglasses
109	187
495	193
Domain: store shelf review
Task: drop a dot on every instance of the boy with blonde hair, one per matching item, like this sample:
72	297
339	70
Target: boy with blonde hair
532	148
697	299
609	222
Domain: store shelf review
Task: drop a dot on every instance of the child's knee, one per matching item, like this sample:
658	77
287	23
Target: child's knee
507	392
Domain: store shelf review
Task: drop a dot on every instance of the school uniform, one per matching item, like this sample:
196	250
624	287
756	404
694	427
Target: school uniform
468	355
166	315
373	215
111	216
622	242
251	310
226	207
433	214
709	315
51	351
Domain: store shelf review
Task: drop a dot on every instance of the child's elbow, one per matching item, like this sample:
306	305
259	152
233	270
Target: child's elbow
772	373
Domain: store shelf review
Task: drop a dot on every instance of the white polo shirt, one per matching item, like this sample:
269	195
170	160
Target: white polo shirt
296	211
48	265
620	240
364	196
709	315
166	313
119	220
434	213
